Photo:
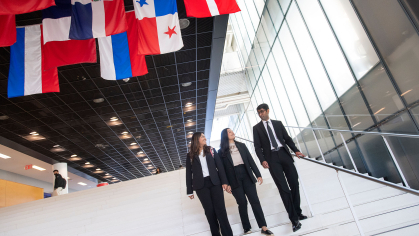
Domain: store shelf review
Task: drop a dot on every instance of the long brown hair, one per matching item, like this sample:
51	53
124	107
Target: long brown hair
194	149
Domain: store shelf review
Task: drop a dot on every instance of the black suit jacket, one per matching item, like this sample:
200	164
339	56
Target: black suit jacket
248	161
263	145
195	177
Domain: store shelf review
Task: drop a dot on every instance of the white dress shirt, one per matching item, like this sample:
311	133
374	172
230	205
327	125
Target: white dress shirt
273	131
204	165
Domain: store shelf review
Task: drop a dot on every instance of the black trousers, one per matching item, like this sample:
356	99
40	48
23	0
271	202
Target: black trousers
280	164
212	199
247	188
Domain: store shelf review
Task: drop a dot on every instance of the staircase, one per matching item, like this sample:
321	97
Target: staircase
158	205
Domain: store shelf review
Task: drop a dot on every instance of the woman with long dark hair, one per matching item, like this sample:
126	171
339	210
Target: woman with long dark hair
205	174
239	167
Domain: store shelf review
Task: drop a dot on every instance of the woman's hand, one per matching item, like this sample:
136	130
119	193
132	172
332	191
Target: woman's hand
225	186
228	190
191	197
260	180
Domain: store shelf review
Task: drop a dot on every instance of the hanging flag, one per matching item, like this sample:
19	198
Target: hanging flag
97	18
208	8
7	30
26	74
13	7
158	26
56	21
119	58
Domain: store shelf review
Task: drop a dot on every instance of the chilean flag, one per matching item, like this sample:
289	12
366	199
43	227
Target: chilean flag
7	30
208	8
97	18
158	26
119	58
13	7
26	74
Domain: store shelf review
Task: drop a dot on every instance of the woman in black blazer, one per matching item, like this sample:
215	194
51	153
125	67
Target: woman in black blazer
239	167
205	174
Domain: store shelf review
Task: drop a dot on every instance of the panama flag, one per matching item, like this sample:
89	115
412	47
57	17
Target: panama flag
119	58
158	26
97	18
208	8
26	74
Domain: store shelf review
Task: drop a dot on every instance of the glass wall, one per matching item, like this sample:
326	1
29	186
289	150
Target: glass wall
328	65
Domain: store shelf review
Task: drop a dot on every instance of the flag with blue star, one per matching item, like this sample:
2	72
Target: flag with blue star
158	26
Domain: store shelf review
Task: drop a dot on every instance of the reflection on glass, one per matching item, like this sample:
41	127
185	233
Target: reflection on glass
275	13
351	35
284	4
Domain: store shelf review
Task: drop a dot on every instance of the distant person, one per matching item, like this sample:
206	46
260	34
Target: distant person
271	141
240	167
181	167
205	174
59	184
158	170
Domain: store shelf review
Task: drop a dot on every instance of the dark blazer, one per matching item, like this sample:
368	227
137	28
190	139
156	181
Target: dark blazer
195	177
248	161
262	144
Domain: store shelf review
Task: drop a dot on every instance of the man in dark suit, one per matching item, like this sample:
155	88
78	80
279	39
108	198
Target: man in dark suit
271	141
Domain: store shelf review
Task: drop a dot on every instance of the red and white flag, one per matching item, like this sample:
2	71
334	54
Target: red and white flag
13	7
208	8
7	30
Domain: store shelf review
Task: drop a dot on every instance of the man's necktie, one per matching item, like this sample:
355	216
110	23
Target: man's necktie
272	136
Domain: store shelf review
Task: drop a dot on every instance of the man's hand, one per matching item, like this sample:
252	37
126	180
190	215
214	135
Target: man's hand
228	190
225	187
265	165
260	180
299	155
191	197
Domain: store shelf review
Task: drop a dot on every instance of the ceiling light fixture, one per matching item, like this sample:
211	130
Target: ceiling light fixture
98	169
126	80
37	168
34	133
125	132
184	23
190	132
98	100
150	165
113	178
87	163
4	117
133	144
81	183
145	159
186	84
56	146
189	104
140	152
4	156
114	119
74	155
107	174
190	120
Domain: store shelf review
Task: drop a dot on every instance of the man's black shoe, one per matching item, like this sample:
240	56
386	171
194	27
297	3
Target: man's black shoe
267	232
302	217
296	226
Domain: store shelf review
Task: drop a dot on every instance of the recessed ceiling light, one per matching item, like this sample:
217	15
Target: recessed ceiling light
98	169
113	178
133	144
184	23
81	183
34	133
107	174
37	168
74	155
190	132
87	163
188	104
125	132
140	152
126	80
114	119
145	159
56	146
4	156
138	137
4	117
190	120
98	100
150	165
186	84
